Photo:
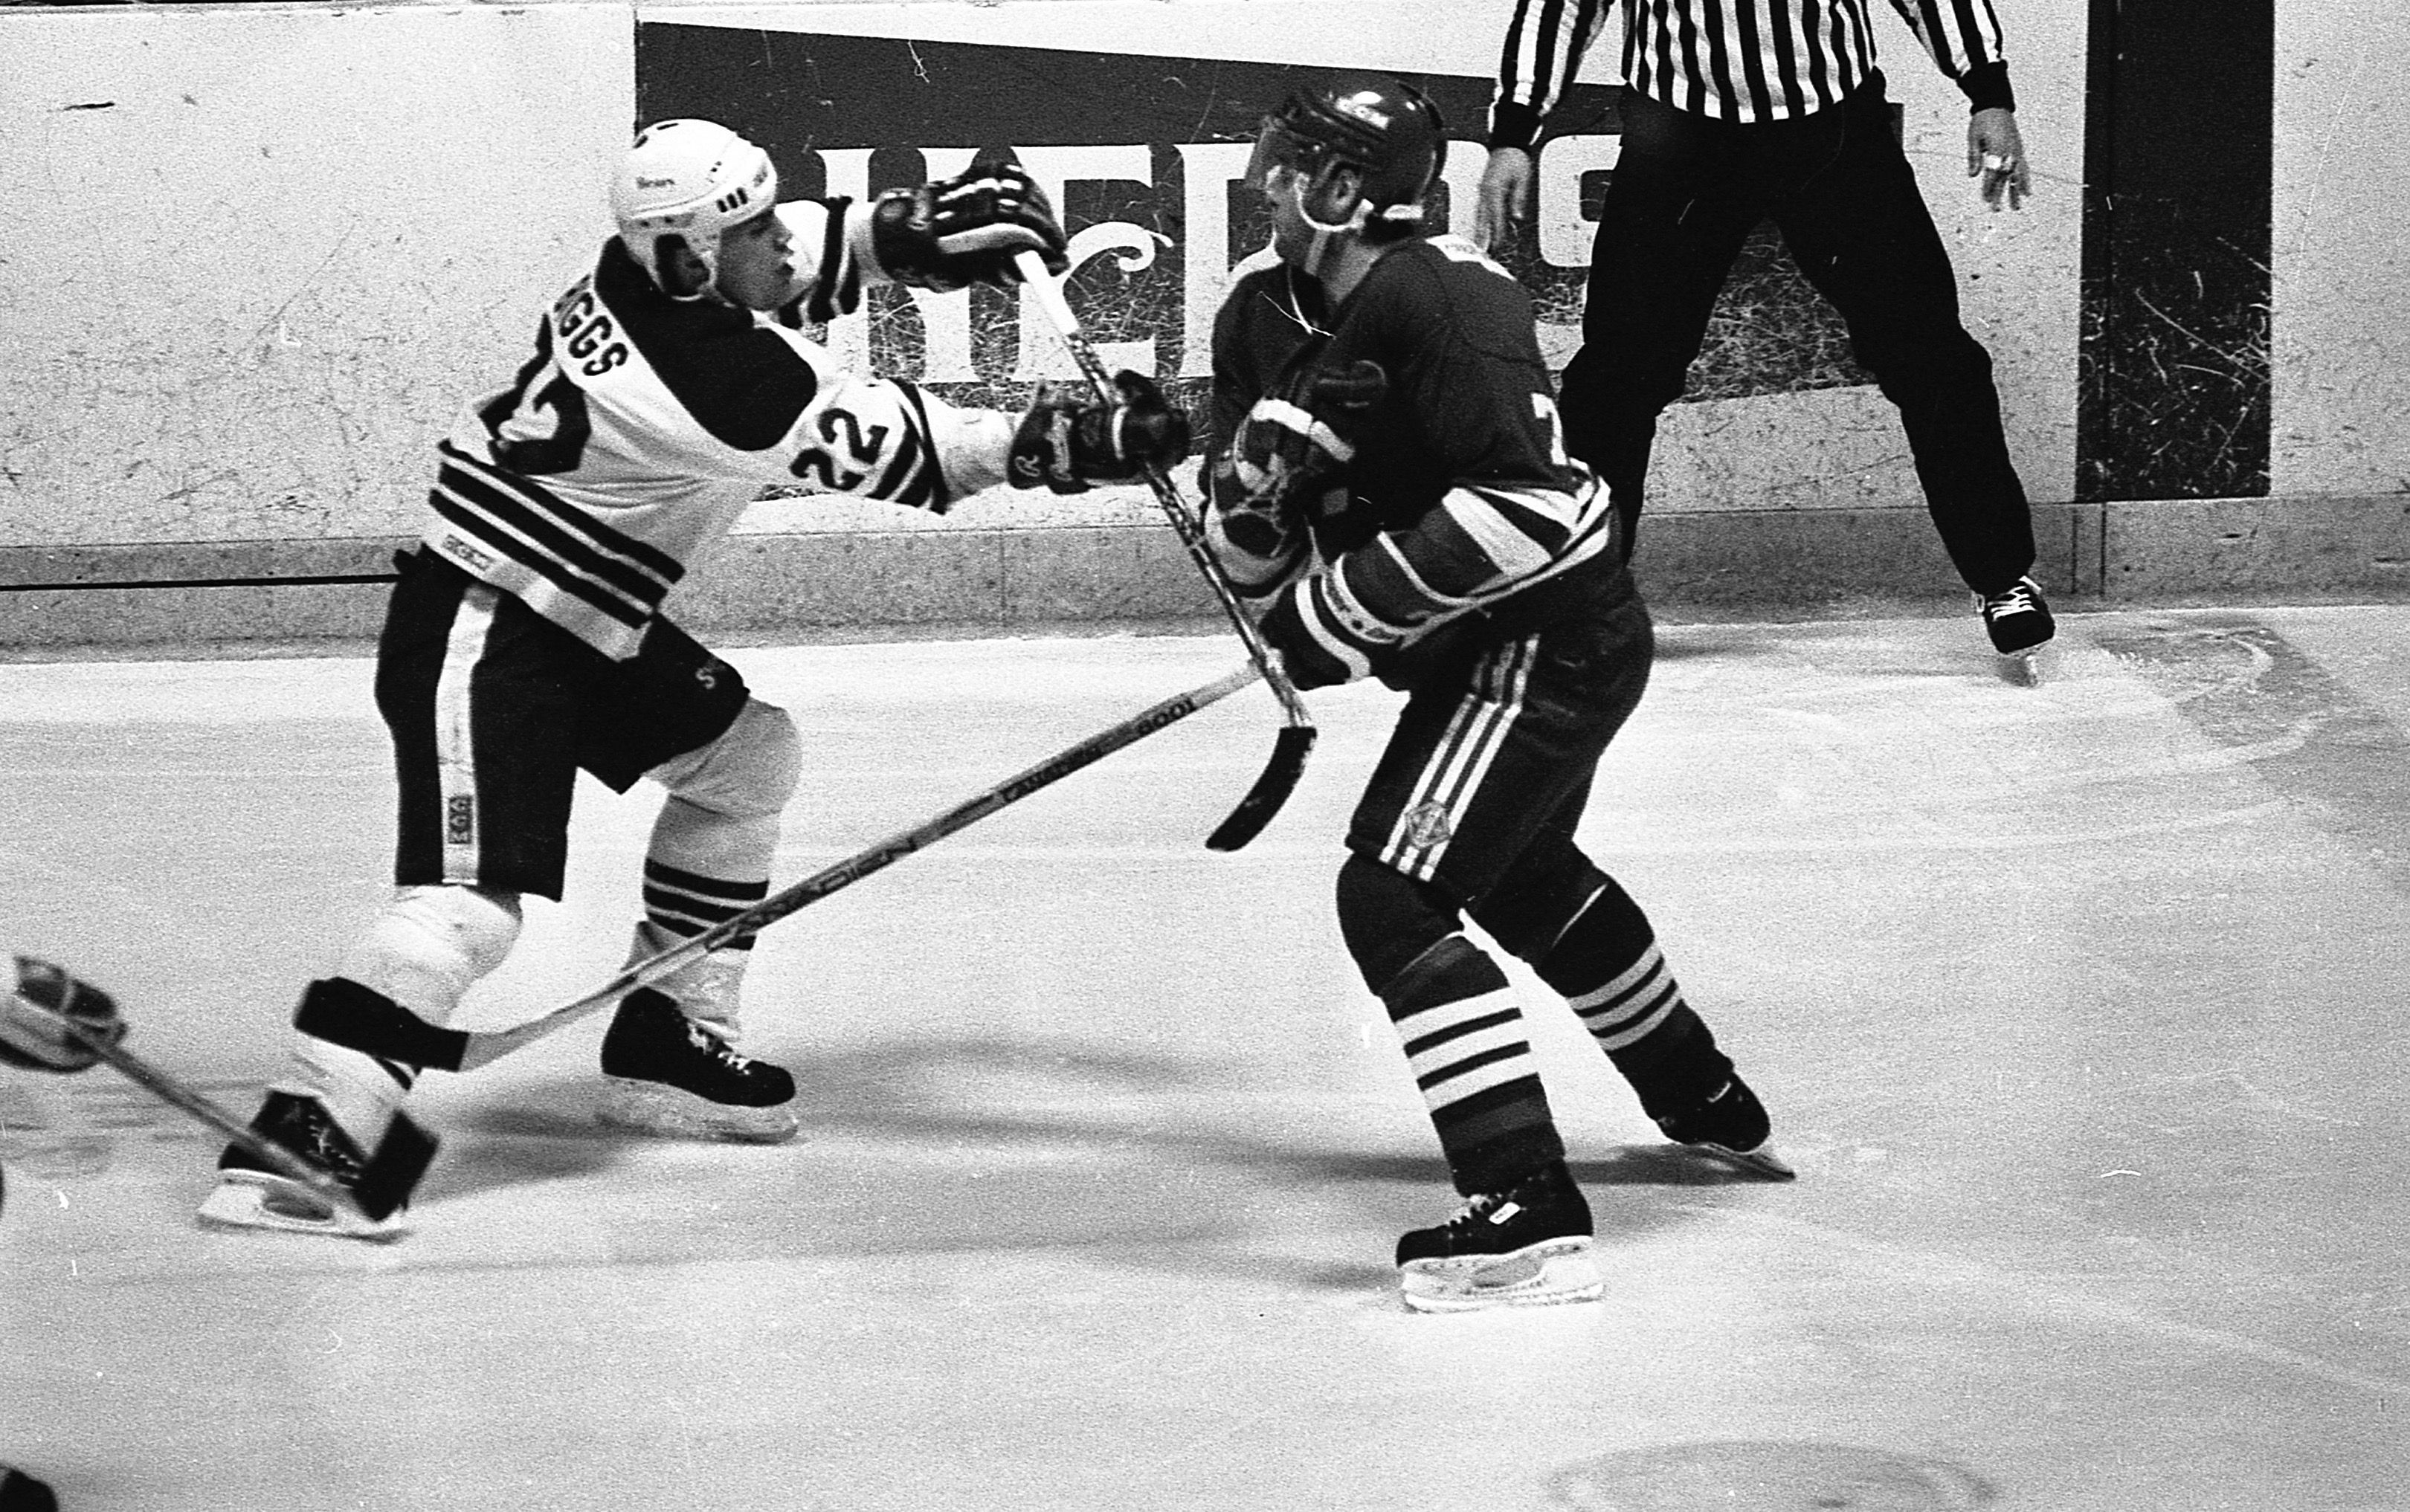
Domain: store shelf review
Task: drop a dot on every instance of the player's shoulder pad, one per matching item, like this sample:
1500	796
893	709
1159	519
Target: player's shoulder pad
1447	284
743	378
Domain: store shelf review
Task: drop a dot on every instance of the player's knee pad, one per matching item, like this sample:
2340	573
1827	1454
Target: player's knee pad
1390	920
431	944
749	772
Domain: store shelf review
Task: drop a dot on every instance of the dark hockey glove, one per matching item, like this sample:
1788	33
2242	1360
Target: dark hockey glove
1069	440
1292	441
1265	523
1309	663
1259	539
32	1038
966	230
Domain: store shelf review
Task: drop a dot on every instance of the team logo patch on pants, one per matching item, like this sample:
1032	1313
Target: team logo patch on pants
461	819
1427	825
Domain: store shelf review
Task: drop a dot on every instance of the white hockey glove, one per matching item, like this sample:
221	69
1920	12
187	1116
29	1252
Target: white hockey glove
967	229
39	995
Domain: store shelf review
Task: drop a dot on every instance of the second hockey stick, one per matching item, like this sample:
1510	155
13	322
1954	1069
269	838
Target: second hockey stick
387	1178
1296	740
402	1035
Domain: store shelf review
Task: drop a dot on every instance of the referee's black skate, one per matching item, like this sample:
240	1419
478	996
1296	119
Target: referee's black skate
252	1195
666	1073
1733	1126
1526	1247
2019	623
21	1492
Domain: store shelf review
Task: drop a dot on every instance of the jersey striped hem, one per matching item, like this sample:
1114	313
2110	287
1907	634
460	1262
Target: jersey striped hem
598	583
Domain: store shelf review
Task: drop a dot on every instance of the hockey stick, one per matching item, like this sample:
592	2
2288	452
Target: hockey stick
1296	740
401	1035
386	1180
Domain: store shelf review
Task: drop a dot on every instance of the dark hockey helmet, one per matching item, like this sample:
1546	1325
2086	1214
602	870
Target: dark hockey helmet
1386	129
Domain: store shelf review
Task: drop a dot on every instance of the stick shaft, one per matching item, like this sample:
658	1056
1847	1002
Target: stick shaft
166	1087
485	1047
1047	292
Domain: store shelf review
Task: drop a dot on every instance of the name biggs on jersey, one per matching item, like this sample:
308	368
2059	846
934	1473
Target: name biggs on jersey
583	332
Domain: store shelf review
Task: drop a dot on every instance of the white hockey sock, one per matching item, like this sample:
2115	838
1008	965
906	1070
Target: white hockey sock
702	868
706	987
424	952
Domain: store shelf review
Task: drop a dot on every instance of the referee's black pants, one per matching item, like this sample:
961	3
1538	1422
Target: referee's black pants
1685	196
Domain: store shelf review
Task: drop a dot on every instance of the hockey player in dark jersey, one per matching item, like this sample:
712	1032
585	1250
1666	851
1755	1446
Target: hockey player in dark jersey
525	641
1387	480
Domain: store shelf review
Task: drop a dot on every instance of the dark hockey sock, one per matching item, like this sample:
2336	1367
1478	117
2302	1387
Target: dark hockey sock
1463	1038
1607	965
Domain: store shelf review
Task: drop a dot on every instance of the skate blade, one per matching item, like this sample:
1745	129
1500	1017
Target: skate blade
262	1200
2029	667
1542	1275
1760	1161
667	1112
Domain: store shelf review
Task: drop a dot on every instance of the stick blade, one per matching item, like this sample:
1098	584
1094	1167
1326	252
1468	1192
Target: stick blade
1272	790
392	1172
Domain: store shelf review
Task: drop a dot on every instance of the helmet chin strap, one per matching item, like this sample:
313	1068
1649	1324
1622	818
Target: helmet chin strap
1325	230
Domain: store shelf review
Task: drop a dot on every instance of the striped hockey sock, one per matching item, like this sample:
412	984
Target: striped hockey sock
1464	1037
683	905
679	905
1612	974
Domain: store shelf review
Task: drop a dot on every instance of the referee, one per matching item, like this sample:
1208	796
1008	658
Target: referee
1736	112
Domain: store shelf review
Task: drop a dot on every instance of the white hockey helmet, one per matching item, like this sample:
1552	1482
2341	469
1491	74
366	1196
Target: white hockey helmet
691	180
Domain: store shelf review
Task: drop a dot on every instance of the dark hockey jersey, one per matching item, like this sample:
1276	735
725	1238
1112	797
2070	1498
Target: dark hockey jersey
1459	506
643	425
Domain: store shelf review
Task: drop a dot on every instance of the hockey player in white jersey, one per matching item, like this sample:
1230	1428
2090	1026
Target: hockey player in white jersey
525	641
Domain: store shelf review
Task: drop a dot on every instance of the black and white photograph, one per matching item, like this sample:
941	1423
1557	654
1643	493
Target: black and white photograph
1192	756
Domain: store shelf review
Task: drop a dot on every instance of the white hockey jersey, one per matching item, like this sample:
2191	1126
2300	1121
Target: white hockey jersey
643	425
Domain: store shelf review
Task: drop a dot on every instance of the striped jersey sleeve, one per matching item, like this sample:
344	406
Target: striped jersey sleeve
1964	39
1484	543
1544	43
831	267
1735	59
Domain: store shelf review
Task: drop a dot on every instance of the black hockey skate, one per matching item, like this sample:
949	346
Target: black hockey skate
667	1075
1732	1125
2017	619
1526	1247
251	1194
21	1492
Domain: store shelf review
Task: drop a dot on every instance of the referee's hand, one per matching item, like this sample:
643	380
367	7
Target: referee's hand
1996	154
1505	197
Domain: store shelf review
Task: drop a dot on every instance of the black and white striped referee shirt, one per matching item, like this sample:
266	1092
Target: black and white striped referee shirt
1735	59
